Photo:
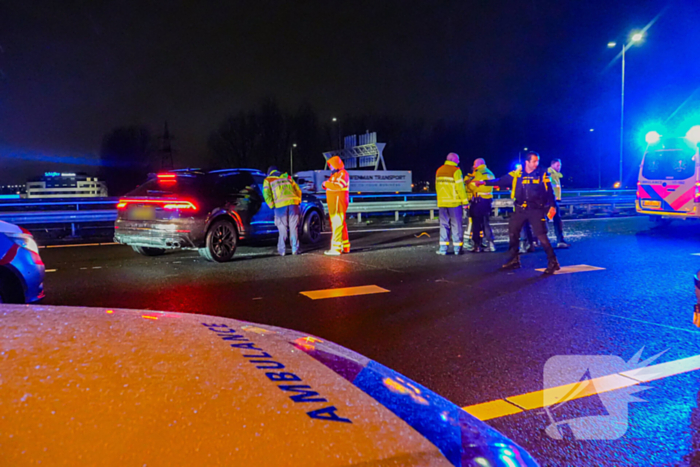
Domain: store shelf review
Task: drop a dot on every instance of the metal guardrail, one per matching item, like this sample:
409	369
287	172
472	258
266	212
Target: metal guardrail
79	211
589	203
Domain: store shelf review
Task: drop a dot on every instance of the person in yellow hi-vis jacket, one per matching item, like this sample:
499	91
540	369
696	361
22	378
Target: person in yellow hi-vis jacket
480	207
555	176
283	195
337	198
451	196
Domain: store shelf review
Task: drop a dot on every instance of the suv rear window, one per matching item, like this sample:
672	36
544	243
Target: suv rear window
189	186
672	160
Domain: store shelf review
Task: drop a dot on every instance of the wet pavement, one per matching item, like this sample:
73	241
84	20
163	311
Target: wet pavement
460	326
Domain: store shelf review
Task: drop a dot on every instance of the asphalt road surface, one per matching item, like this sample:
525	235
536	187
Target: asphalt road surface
468	331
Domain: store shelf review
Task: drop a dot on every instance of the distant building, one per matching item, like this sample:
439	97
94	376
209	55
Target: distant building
12	190
65	185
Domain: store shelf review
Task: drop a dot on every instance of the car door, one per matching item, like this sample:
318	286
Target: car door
263	221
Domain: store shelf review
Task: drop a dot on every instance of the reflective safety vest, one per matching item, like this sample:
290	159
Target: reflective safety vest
449	184
483	191
280	190
515	174
338	191
555	178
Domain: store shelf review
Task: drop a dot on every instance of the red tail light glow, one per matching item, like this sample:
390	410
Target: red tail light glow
167	178
697	192
169	204
181	205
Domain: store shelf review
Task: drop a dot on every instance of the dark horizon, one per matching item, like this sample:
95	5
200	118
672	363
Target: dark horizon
71	73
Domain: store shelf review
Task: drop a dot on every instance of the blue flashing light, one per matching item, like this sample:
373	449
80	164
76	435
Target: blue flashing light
652	137
52	174
694	134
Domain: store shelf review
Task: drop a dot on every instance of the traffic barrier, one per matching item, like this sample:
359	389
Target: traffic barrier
79	211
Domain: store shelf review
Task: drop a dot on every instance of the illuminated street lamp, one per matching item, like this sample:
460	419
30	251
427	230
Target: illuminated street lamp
291	159
335	120
636	37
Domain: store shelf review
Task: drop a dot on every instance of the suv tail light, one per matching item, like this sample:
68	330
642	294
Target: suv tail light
169	204
697	192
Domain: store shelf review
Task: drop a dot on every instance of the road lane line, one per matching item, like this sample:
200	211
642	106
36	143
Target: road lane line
79	244
664	370
343	292
51	270
71	246
642	321
568	392
573	269
494	409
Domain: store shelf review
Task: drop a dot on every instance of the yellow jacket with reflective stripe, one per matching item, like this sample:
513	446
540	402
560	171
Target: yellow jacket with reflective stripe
483	191
281	190
449	184
555	178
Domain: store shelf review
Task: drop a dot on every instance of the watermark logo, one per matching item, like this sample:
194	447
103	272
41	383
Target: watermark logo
598	377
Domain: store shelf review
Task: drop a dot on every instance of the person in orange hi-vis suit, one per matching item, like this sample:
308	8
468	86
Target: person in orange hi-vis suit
338	197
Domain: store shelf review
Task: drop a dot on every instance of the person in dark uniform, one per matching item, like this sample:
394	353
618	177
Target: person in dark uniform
534	198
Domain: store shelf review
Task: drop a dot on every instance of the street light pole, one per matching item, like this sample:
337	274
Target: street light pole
622	110
625	45
291	159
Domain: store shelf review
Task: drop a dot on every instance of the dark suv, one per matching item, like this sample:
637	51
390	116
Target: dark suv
207	211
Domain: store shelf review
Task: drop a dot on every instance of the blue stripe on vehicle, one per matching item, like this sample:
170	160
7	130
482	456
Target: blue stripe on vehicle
429	414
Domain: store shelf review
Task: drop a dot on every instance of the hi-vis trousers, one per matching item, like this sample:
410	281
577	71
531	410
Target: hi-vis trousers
337	207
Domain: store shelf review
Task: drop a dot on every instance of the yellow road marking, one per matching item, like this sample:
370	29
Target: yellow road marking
556	395
569	392
79	244
343	292
493	409
51	270
577	268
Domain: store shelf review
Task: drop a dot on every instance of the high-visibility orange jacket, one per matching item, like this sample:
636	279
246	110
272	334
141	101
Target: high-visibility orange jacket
338	186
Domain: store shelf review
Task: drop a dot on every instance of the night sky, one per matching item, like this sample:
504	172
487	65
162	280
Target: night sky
73	70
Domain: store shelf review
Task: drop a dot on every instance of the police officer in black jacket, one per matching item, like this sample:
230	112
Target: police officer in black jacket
534	198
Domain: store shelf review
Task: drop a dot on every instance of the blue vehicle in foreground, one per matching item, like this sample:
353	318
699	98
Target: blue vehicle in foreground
21	267
208	211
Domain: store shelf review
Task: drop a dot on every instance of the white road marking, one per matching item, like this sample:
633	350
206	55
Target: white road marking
573	269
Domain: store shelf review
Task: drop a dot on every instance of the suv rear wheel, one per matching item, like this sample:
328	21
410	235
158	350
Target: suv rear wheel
311	228
147	251
221	242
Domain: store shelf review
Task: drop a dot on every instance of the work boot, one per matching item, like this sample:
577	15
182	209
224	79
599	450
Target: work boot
521	248
531	249
490	247
441	252
552	266
563	245
331	253
458	251
512	264
476	249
